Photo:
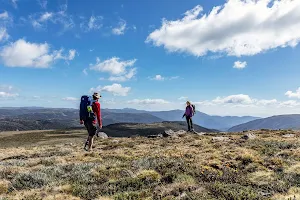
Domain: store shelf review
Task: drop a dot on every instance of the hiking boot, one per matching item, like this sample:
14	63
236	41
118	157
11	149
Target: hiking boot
86	145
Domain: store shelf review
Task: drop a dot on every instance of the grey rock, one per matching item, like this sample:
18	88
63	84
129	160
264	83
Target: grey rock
248	136
288	135
102	135
220	139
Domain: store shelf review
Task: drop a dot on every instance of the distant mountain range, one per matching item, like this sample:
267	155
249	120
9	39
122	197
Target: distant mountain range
273	123
32	118
29	118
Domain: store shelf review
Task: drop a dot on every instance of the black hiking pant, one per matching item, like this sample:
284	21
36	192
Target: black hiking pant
190	123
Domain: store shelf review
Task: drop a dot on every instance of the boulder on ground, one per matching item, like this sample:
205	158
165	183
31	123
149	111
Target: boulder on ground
248	136
288	135
220	139
171	133
102	135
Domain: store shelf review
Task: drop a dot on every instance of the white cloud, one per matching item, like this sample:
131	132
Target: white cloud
95	22
4	15
234	99
115	89
46	16
120	29
40	20
116	68
292	94
237	28
26	54
70	99
85	72
182	98
72	53
6	92
158	78
131	73
6	95
264	102
3	34
162	78
239	65
290	103
148	101
43	3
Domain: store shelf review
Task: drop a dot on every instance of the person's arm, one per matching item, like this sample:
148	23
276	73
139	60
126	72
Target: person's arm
97	111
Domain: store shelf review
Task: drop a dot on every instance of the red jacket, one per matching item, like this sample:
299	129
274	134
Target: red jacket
97	111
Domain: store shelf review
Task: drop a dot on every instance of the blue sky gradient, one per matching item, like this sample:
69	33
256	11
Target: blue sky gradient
166	75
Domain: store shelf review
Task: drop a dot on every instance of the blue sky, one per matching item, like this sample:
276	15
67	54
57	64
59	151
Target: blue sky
230	57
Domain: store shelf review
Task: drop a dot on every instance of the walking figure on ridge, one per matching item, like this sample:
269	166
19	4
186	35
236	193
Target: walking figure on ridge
189	113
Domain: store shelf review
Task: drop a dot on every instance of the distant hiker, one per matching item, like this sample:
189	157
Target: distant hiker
90	114
189	113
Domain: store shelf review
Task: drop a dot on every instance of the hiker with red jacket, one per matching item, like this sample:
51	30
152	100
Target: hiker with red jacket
90	115
189	113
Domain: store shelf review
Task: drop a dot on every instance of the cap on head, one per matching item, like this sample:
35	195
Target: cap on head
96	95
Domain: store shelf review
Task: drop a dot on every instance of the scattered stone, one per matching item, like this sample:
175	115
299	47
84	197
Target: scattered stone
248	136
201	133
183	196
288	135
168	133
115	141
102	135
220	139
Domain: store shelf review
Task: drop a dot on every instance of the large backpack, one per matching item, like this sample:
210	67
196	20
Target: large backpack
194	108
86	111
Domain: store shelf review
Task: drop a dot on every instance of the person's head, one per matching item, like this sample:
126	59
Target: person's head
96	96
188	103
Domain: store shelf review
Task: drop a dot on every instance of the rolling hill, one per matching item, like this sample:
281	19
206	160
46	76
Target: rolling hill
36	118
272	123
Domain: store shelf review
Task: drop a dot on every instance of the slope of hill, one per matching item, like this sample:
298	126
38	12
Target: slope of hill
128	130
55	166
69	118
273	123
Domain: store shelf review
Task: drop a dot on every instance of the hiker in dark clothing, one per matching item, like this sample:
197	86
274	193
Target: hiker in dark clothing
91	122
189	113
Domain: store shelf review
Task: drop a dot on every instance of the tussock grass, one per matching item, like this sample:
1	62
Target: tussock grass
185	167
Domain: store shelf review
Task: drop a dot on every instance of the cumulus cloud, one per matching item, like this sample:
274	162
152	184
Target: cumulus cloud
290	103
115	89
236	28
148	101
70	99
239	65
25	54
72	53
119	70
129	75
120	29
292	94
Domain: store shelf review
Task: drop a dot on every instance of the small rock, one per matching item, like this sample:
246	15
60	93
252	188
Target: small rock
288	135
154	136
102	135
220	139
183	196
168	133
248	136
201	133
115	141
